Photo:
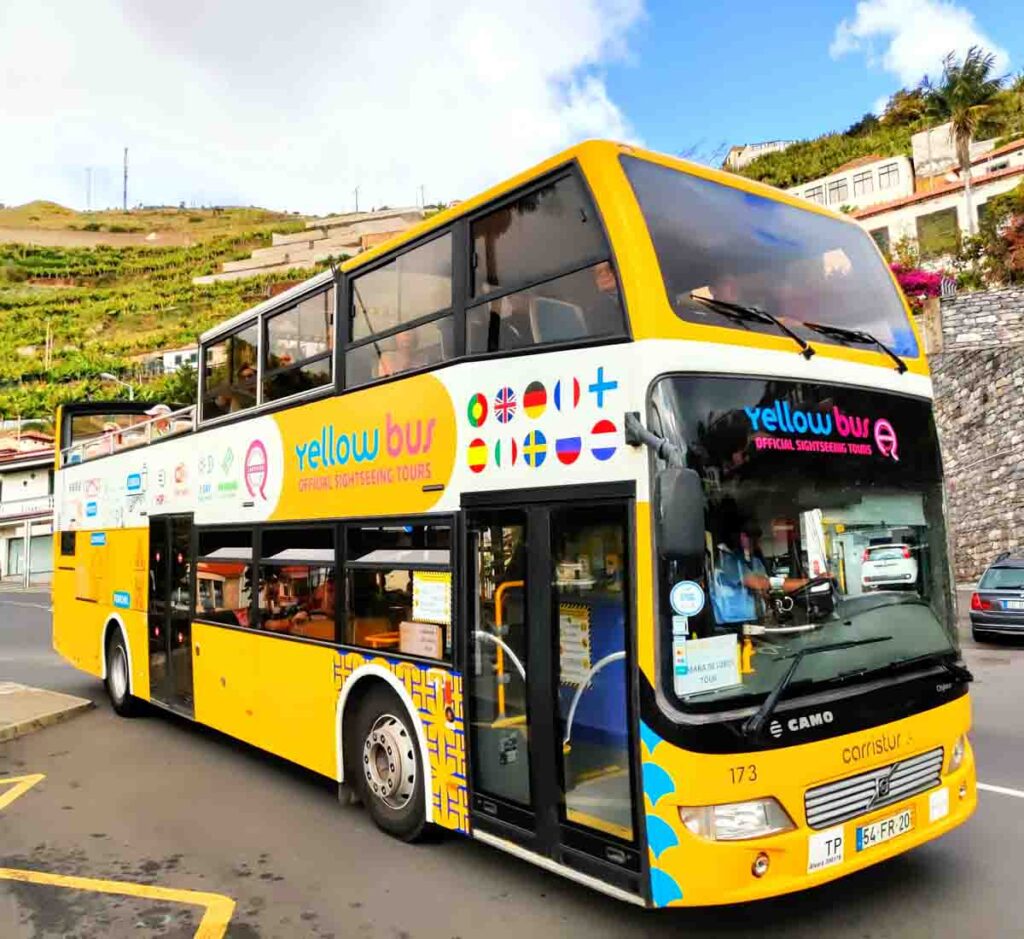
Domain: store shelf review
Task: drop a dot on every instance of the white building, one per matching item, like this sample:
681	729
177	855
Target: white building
26	515
742	155
935	217
860	183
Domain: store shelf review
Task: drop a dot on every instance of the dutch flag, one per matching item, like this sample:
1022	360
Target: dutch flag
604	440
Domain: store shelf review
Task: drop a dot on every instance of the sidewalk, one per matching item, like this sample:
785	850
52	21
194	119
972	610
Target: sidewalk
24	709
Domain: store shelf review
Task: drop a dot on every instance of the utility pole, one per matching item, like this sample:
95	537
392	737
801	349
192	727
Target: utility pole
88	188
423	196
357	198
124	194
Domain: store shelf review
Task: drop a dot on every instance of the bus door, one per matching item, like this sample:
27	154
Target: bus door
170	611
548	690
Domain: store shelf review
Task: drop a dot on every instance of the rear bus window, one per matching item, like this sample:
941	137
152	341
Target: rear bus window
229	373
299	344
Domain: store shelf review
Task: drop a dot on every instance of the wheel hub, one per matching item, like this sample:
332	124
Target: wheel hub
389	762
119	674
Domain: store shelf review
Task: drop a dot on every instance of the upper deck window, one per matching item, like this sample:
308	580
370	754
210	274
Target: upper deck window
542	267
414	290
719	242
229	372
298	346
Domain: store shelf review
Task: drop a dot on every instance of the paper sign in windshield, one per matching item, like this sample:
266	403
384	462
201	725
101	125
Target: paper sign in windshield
705	664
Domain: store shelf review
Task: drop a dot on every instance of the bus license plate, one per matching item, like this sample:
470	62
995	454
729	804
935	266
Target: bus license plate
885	829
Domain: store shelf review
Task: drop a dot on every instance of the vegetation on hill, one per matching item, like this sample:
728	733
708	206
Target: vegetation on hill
69	314
905	114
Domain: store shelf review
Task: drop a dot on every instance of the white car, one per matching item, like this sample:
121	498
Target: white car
888	566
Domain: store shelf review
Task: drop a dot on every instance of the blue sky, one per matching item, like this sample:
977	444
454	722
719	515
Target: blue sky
228	103
698	76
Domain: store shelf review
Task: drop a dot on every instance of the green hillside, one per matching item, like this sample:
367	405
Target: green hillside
102	305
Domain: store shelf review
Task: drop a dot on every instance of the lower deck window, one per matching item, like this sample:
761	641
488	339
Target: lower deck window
297	583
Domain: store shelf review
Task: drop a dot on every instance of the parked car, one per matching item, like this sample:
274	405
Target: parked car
997	606
888	567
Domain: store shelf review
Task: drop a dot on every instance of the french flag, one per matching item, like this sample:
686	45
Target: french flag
567	449
567	394
604	440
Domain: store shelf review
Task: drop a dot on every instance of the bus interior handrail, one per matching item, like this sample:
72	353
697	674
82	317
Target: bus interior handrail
143	433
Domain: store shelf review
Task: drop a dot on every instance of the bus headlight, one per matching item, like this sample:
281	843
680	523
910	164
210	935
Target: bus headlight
736	821
956	757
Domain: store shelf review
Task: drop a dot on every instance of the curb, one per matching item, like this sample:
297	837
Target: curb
11	731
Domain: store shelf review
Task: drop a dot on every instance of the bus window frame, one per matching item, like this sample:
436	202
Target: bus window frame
454	521
265	373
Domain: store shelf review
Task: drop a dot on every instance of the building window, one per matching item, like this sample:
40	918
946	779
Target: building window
815	194
863	183
881	236
889	176
983	211
297	582
229	373
549	231
224	576
583	305
399	589
298	347
937	233
838	192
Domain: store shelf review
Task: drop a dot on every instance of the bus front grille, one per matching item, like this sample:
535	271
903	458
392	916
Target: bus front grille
847	798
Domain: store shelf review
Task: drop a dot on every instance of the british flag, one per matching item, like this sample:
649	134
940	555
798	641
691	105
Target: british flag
505	405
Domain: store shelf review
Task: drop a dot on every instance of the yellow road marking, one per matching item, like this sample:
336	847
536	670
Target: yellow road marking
213	925
22	784
217	908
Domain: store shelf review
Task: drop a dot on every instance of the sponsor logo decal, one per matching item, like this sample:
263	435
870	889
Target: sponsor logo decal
122	599
808	721
256	469
98	539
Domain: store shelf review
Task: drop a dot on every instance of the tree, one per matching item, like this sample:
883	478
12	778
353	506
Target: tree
866	125
905	108
962	97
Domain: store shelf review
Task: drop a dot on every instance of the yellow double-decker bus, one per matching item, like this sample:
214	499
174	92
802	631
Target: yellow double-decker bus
599	518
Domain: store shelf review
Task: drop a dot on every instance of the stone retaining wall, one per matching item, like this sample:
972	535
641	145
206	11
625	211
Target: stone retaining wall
978	372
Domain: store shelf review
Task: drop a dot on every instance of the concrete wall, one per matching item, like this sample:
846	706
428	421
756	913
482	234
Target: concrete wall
978	371
935	153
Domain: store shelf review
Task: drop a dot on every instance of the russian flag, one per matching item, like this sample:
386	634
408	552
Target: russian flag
567	449
567	394
604	440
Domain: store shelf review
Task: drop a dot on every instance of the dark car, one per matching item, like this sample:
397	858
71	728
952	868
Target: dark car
997	606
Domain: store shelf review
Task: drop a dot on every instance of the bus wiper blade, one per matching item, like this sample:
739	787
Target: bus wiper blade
755	314
752	728
858	335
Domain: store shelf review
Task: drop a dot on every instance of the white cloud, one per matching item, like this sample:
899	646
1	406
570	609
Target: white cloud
910	37
292	107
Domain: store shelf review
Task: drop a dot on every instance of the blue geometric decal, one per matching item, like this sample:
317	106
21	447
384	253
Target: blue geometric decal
649	737
657	782
664	888
660	835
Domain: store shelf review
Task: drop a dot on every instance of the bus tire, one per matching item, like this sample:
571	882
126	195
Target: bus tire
387	768
118	680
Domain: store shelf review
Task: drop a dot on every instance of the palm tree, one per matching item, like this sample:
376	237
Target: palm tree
962	97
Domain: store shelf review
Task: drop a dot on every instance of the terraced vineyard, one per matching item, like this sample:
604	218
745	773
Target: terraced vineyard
69	314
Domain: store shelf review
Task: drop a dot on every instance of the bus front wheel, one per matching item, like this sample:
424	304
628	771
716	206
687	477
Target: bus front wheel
118	680
387	766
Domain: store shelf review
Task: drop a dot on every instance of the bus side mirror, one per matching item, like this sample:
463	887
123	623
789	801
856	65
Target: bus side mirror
680	512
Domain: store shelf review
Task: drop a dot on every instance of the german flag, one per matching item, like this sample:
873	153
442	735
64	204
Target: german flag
535	399
476	455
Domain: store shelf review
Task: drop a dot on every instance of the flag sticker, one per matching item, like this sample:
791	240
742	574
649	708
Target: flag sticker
506	452
505	405
567	449
477	455
604	440
477	410
535	399
567	394
535	449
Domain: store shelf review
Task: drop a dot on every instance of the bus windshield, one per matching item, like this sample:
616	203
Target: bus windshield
823	524
721	243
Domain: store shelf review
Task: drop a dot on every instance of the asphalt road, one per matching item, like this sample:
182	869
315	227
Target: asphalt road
158	801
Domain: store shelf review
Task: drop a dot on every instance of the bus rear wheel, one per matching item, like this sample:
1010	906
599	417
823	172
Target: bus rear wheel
387	767
118	679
